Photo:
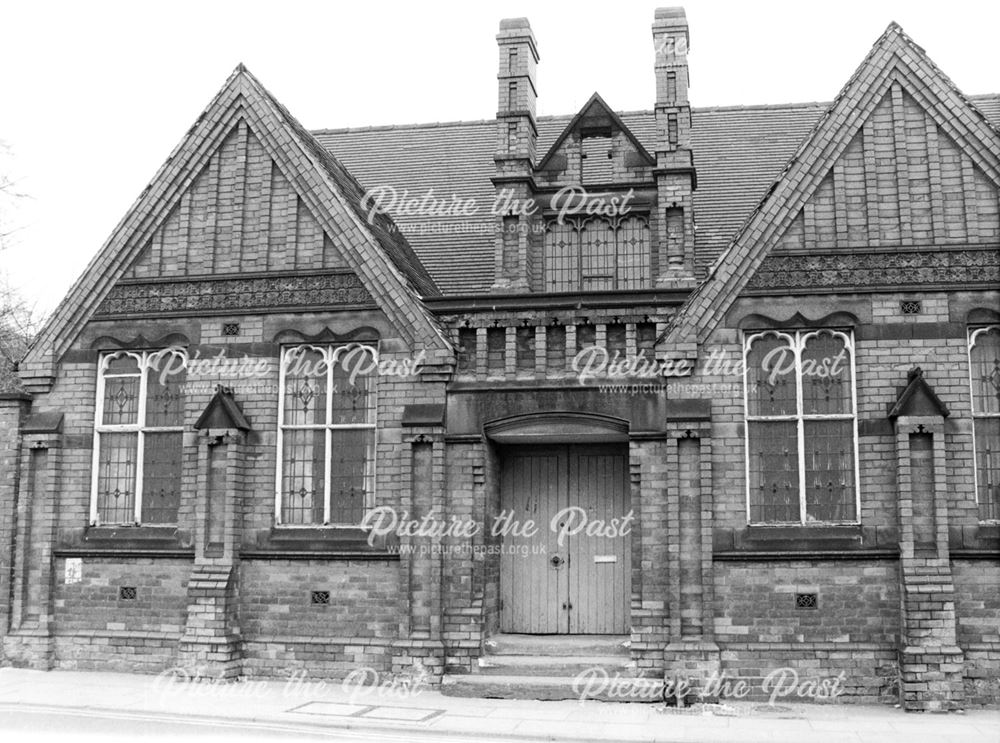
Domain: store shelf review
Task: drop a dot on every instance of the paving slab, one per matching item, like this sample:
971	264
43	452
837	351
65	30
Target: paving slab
327	706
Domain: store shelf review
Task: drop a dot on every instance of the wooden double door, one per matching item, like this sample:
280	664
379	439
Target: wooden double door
566	526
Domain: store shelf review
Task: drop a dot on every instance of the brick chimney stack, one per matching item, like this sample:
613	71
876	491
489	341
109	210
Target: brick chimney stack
675	174
516	94
517	134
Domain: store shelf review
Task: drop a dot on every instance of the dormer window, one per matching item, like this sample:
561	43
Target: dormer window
597	254
596	159
595	148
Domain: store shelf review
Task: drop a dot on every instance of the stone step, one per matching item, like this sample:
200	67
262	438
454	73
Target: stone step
549	688
554	665
558	645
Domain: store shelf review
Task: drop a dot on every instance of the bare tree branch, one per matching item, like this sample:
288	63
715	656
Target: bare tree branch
19	323
9	195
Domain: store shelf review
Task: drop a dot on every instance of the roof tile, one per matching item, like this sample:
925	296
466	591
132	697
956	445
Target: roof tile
739	151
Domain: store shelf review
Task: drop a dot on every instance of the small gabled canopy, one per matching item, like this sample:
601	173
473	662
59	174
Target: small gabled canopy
894	59
222	412
917	398
373	247
596	117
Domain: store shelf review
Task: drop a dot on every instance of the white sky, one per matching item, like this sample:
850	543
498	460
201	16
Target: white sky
94	95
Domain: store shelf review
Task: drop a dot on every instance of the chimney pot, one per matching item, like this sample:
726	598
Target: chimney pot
674	14
511	23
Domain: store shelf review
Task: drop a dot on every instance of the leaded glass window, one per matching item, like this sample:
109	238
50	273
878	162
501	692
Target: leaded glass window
633	256
597	254
138	437
326	435
562	257
801	427
984	372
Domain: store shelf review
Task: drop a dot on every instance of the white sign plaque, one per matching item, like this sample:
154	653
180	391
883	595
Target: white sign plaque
74	570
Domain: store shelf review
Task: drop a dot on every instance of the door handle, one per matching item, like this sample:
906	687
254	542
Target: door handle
556	561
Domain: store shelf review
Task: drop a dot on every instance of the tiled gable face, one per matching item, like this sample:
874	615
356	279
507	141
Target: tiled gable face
239	215
901	181
248	214
896	187
595	151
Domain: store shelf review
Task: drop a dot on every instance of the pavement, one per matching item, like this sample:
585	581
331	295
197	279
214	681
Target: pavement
45	705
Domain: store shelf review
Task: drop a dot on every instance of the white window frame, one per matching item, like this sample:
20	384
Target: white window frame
330	352
973	333
144	360
797	340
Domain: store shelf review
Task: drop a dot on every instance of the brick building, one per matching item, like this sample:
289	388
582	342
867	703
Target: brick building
792	459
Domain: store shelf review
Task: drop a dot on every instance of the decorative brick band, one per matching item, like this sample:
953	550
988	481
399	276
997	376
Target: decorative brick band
878	269
235	295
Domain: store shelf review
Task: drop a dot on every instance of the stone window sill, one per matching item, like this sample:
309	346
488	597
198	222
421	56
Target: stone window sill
319	540
136	537
127	531
121	539
797	532
801	539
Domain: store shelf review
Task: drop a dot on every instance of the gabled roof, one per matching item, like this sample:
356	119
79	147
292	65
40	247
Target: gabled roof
377	252
595	108
381	225
894	57
917	398
739	152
